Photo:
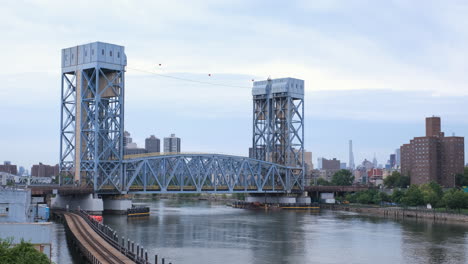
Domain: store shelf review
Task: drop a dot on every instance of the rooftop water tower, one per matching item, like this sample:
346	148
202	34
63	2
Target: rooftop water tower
92	114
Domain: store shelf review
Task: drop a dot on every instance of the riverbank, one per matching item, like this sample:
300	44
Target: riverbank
399	213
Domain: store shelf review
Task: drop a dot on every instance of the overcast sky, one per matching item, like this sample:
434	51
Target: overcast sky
373	70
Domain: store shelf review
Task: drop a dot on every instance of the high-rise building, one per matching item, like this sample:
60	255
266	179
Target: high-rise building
343	165
433	157
374	162
329	168
153	144
43	170
351	156
172	144
9	168
130	147
398	158
308	162
319	163
21	171
367	164
128	141
392	161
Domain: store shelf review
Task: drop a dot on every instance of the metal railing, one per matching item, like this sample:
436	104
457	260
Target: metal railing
136	253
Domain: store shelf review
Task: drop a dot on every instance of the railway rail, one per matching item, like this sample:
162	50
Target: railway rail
105	252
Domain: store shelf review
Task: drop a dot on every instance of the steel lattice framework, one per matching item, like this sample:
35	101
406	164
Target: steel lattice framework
278	124
92	114
215	173
92	126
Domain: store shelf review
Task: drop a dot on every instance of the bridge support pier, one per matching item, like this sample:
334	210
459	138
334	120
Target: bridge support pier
278	199
117	204
72	202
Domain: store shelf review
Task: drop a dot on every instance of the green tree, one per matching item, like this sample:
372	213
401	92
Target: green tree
350	197
403	182
384	197
391	181
323	182
462	179
397	196
343	178
413	196
22	253
432	193
455	199
364	198
396	180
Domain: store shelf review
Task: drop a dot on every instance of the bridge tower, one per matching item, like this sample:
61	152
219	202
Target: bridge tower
92	115
278	124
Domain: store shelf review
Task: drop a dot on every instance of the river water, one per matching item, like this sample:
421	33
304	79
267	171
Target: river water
209	232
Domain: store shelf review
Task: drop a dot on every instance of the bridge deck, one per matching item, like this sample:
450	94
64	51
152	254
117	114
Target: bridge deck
99	248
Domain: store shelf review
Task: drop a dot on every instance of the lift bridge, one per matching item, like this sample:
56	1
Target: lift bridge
92	142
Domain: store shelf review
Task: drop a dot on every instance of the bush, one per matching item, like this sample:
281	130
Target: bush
20	253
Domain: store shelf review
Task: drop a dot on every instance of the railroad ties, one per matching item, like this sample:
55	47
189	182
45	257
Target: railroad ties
93	245
100	244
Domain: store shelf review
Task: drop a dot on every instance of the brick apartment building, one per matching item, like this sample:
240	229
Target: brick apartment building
42	170
9	168
433	157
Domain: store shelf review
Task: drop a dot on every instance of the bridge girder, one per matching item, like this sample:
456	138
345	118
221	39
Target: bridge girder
207	173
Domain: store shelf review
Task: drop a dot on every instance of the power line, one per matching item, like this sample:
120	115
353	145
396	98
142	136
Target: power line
187	80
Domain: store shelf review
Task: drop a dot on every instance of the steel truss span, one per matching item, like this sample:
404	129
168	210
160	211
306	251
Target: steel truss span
208	173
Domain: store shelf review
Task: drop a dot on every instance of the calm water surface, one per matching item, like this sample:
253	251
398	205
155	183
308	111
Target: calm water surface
209	233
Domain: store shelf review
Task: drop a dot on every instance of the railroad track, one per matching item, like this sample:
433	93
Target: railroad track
100	248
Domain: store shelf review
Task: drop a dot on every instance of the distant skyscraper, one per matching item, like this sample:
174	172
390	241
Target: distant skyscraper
392	161
128	142
172	144
152	144
398	157
374	162
343	165
319	163
351	156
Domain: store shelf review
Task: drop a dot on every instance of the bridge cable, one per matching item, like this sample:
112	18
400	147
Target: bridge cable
187	80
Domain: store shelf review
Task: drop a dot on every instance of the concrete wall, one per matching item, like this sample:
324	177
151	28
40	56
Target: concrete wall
117	205
15	206
39	234
303	200
271	199
86	202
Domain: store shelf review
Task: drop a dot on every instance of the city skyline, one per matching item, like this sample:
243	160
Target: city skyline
361	85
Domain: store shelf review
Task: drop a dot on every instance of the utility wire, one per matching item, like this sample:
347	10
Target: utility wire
187	80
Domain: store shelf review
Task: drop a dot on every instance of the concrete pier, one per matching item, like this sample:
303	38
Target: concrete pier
278	199
86	202
117	206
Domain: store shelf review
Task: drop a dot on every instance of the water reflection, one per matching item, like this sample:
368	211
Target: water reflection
205	232
430	242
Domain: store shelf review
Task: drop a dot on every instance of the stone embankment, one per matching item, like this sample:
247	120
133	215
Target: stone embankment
399	213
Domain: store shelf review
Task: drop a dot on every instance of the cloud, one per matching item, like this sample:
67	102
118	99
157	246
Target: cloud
363	61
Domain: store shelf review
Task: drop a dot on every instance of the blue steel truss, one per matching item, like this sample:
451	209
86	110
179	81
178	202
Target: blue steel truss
209	173
92	125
